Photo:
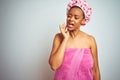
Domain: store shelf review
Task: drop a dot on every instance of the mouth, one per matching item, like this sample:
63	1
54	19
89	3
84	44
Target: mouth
70	24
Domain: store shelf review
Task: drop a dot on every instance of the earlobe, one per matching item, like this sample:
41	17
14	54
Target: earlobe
83	22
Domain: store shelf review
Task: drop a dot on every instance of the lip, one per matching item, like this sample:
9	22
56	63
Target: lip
70	24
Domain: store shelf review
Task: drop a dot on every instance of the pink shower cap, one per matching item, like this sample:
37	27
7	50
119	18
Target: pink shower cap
83	5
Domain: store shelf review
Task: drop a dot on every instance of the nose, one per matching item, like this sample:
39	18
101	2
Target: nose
72	18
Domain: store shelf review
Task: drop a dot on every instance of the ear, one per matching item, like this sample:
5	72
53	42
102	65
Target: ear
83	22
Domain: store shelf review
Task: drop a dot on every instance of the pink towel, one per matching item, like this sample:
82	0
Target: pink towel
77	65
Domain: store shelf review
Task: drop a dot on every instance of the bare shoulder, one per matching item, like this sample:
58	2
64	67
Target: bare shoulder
86	35
89	38
58	37
92	41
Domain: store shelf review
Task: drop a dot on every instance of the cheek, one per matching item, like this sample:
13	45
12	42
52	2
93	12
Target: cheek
67	19
78	22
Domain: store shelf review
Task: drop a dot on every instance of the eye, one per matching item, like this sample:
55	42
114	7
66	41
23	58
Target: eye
68	16
76	17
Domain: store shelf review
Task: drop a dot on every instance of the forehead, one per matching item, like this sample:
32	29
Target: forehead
75	11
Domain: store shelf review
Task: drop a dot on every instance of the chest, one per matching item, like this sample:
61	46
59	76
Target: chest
78	43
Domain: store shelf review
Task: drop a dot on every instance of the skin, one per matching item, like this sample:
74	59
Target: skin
72	37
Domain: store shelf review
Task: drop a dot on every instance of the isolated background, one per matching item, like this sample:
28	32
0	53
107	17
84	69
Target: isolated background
27	29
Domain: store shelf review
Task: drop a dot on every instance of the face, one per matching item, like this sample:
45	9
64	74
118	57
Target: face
75	18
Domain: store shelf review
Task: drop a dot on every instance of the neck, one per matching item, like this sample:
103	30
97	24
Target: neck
74	33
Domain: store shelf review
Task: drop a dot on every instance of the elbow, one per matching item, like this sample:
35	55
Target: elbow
53	66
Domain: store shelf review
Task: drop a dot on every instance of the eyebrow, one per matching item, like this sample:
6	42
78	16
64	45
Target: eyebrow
74	15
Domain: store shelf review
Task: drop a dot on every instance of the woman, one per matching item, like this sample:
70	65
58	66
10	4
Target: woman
74	52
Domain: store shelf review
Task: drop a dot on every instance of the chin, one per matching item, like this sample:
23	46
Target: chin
71	29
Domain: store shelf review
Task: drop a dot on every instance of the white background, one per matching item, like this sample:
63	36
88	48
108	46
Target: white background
27	29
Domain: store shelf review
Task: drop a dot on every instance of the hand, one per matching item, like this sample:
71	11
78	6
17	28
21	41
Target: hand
64	31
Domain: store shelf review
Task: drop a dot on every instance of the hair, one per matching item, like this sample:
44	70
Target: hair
79	8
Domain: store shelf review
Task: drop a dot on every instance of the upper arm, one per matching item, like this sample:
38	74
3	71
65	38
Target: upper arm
94	52
56	43
96	72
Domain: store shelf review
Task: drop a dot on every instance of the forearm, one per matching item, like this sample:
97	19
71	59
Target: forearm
97	75
57	58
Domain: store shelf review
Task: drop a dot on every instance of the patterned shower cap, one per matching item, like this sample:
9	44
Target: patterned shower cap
84	6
